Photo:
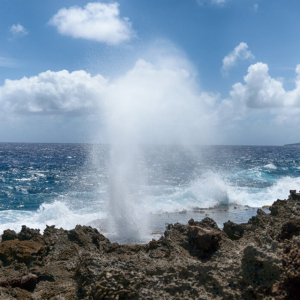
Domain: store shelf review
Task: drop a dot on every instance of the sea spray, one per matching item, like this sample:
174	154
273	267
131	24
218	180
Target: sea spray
157	102
127	220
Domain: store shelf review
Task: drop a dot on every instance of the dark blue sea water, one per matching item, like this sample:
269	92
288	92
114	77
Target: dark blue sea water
68	184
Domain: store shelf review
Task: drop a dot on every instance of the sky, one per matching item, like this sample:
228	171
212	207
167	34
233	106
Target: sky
159	71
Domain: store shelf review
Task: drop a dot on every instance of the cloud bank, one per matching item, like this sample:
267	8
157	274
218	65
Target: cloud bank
99	22
52	93
240	52
158	100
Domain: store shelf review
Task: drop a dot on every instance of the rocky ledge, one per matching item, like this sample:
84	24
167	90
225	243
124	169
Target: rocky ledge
255	260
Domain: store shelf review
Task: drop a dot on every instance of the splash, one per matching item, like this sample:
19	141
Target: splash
158	101
127	220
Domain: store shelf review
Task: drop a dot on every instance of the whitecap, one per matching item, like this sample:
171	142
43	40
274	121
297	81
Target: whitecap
270	166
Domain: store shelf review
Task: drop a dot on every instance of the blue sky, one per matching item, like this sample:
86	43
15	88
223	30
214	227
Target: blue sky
161	71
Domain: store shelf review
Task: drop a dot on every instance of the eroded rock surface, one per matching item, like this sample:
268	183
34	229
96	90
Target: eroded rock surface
256	260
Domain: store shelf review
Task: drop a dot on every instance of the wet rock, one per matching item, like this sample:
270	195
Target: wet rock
233	231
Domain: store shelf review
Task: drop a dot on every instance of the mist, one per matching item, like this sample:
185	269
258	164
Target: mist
158	101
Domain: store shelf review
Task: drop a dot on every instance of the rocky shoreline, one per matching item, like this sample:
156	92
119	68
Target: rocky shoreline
255	260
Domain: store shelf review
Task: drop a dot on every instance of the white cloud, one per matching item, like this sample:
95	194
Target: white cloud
156	101
255	7
18	30
262	91
260	110
96	21
240	52
52	93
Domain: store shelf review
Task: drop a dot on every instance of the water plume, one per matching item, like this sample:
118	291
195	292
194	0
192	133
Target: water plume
157	102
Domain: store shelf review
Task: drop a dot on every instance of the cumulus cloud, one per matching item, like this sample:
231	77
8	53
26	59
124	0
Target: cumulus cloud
18	30
96	21
52	93
260	110
240	52
157	101
262	91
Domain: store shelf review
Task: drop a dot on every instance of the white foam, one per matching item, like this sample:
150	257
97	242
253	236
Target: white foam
56	213
270	166
266	196
209	190
212	190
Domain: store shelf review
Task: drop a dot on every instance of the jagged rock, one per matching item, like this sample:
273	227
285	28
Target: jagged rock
20	251
260	220
289	229
86	236
206	222
260	267
278	207
178	234
28	233
9	235
294	195
203	240
233	231
291	279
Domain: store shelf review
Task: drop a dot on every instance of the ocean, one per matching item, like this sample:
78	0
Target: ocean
70	184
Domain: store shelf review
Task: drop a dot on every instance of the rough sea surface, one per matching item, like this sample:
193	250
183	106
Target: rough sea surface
68	184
